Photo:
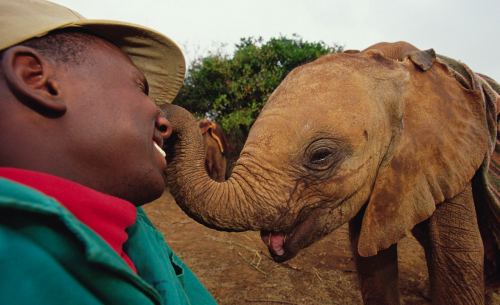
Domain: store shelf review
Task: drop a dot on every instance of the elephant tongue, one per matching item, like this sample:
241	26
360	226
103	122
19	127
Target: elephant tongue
274	241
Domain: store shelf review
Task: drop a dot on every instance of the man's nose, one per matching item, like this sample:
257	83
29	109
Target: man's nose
164	126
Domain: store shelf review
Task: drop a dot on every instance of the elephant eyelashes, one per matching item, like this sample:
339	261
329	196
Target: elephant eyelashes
323	154
320	156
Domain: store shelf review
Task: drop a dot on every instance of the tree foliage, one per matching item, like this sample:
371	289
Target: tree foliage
232	91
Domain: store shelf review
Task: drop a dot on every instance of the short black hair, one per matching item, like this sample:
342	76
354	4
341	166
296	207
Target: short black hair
67	46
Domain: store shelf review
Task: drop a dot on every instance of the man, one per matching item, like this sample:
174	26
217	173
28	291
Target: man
79	154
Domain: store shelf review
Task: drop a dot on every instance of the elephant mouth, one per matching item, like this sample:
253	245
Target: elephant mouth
274	241
285	245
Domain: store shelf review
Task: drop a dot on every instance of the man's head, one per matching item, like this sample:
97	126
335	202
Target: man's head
74	105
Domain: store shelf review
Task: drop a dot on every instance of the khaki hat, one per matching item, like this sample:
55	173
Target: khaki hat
158	57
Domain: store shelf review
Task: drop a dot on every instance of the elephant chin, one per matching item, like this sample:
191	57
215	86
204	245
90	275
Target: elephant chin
286	245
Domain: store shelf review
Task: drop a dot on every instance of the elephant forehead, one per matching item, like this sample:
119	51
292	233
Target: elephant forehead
312	81
347	101
341	78
330	86
288	131
342	106
344	117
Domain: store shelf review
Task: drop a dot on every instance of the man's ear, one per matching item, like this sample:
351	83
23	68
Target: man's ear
31	79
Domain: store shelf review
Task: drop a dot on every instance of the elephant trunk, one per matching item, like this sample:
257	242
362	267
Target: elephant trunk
228	206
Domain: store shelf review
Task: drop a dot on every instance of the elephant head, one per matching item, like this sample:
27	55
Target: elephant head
346	134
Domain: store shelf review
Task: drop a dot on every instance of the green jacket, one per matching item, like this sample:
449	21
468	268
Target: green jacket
47	256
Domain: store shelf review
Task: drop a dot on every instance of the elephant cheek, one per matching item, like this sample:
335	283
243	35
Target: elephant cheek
348	184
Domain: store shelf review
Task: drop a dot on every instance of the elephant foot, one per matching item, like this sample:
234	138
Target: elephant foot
424	289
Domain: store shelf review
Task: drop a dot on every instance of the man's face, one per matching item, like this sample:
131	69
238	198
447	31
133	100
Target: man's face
111	126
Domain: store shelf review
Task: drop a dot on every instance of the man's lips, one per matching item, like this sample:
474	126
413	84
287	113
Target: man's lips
274	241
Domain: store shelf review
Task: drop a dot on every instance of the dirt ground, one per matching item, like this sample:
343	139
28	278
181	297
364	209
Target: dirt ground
236	267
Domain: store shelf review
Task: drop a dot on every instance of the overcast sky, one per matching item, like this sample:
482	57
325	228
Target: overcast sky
462	29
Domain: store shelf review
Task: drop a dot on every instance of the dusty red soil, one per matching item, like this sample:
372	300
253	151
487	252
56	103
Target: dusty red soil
236	267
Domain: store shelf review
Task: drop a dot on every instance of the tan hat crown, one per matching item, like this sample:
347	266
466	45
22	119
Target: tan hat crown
158	57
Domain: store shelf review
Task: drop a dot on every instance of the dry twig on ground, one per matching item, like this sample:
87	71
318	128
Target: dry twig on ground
271	301
251	263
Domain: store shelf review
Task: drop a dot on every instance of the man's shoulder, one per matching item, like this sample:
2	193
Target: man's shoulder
20	256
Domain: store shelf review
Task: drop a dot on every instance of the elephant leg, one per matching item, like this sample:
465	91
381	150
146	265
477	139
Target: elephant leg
213	158
378	275
221	168
492	273
213	173
207	166
454	251
210	168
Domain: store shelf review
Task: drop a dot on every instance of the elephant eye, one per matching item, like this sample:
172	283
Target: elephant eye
320	159
320	156
325	154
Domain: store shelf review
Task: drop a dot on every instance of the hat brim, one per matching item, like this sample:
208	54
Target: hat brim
154	54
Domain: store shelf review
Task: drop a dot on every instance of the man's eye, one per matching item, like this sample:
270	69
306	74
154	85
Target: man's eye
143	87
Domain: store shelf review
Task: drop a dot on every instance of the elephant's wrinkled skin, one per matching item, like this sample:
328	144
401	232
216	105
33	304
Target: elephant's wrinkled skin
388	144
216	149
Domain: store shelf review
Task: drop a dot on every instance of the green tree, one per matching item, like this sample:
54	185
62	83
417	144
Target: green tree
232	91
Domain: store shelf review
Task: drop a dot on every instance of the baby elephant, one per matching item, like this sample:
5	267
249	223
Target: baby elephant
392	140
216	149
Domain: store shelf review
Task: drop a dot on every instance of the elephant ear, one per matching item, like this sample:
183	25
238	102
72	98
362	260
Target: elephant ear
438	146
